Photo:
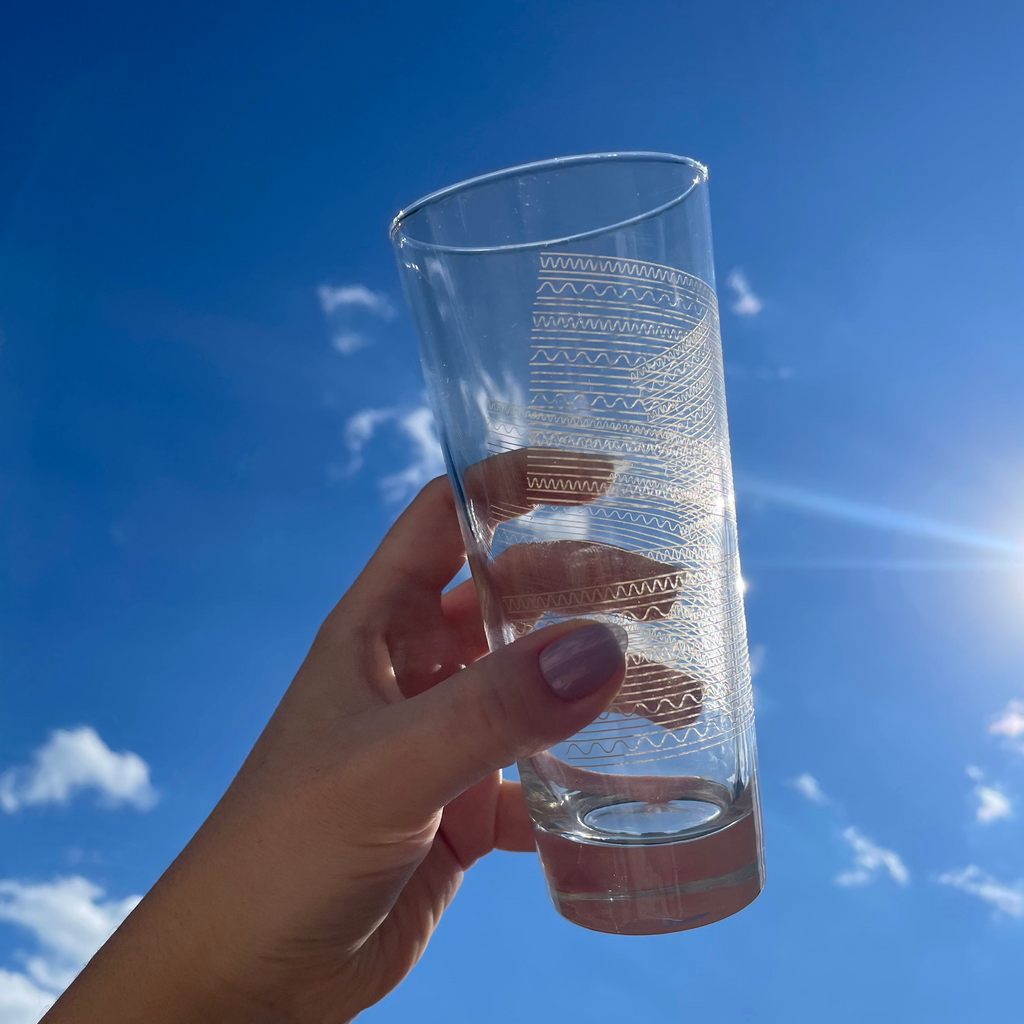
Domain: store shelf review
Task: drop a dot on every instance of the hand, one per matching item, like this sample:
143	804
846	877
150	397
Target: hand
316	883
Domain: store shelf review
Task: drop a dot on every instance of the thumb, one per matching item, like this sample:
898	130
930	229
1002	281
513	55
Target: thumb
511	704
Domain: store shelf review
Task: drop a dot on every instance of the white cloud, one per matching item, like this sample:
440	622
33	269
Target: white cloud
343	305
1010	724
993	804
349	342
427	461
807	784
359	431
1008	899
21	1001
747	303
66	916
69	921
417	426
72	760
869	860
354	295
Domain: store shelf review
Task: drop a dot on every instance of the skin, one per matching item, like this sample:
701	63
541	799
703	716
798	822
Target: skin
316	883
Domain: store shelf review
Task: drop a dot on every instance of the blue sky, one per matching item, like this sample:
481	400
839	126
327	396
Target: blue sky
211	409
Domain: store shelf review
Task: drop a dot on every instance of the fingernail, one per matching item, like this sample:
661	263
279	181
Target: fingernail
582	661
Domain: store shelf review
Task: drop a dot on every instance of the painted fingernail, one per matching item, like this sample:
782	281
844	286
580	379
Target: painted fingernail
582	661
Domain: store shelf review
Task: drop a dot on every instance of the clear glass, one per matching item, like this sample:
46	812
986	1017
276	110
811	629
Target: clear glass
569	333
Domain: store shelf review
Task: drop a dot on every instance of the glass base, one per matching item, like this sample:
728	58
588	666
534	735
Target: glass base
637	888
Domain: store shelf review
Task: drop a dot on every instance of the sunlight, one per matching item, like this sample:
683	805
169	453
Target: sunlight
877	516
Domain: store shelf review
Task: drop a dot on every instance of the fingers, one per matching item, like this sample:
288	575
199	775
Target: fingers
513	483
513	703
425	548
572	577
461	608
398	597
399	593
660	694
513	827
492	815
429	636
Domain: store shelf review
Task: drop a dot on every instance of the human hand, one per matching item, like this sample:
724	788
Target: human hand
316	883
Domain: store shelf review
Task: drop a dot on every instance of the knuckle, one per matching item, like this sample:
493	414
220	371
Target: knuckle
501	715
516	724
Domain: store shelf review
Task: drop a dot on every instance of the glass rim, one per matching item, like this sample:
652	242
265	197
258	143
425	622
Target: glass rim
538	165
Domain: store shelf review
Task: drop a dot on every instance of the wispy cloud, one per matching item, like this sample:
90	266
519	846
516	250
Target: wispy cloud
359	431
870	861
333	298
69	920
807	785
1006	898
877	516
993	804
1010	725
341	303
416	426
73	760
427	457
348	342
747	303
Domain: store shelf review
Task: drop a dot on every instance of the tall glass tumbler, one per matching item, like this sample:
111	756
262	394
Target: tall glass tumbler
569	334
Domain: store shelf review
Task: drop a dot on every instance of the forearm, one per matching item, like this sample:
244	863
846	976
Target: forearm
166	963
140	975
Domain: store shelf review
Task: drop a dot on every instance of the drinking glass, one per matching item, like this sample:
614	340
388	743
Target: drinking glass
569	335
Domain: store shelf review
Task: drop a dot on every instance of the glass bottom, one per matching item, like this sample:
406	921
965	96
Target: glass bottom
649	890
644	855
638	818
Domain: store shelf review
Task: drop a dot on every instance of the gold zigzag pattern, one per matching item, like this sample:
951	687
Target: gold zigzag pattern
623	268
722	725
573	357
625	362
594	401
582	289
607	325
655	706
558	485
610	593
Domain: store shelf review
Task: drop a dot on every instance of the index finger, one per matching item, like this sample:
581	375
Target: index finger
425	547
509	485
